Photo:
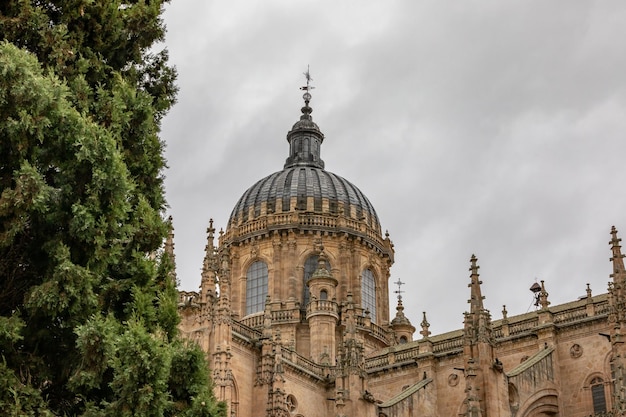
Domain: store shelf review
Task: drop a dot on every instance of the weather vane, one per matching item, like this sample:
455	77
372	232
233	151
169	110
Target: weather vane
308	87
399	290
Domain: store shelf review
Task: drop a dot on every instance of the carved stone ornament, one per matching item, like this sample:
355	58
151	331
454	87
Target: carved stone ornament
576	351
291	403
453	380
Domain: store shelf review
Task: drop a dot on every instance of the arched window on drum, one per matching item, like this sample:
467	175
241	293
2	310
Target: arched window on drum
256	287
368	293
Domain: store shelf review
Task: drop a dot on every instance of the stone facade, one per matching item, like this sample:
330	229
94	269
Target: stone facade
293	313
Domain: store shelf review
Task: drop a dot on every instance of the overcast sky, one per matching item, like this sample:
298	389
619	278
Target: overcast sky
488	127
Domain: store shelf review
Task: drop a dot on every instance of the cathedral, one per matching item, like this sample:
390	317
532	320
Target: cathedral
293	313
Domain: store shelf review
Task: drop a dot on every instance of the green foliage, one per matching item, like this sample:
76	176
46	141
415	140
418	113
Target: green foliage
141	368
188	384
151	376
88	320
17	398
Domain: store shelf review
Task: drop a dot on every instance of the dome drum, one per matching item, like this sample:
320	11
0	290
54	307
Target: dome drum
309	222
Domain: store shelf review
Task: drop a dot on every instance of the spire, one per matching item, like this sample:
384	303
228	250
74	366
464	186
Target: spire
617	287
478	320
321	264
400	324
169	248
476	297
210	231
322	268
210	265
400	320
400	317
425	325
617	258
169	241
617	317
305	137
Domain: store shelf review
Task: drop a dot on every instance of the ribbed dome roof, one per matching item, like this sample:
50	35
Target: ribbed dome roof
303	184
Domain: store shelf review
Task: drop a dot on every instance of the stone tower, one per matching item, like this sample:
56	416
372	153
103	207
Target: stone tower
617	317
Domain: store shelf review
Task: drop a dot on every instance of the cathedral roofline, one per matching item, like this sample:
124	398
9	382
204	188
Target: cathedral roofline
560	311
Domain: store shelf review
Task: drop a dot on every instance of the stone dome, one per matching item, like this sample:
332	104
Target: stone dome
311	189
304	186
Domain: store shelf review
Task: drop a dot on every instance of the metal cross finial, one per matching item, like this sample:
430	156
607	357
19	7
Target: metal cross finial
399	291
308	87
307	75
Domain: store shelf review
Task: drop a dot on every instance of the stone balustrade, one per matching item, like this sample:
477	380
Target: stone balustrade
299	220
296	360
523	326
286	316
572	315
255	321
380	333
448	345
245	331
327	307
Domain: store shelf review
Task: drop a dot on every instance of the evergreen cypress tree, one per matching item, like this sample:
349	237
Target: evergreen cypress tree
87	304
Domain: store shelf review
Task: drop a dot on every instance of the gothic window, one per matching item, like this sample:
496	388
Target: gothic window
256	287
597	395
310	266
368	293
323	295
403	340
